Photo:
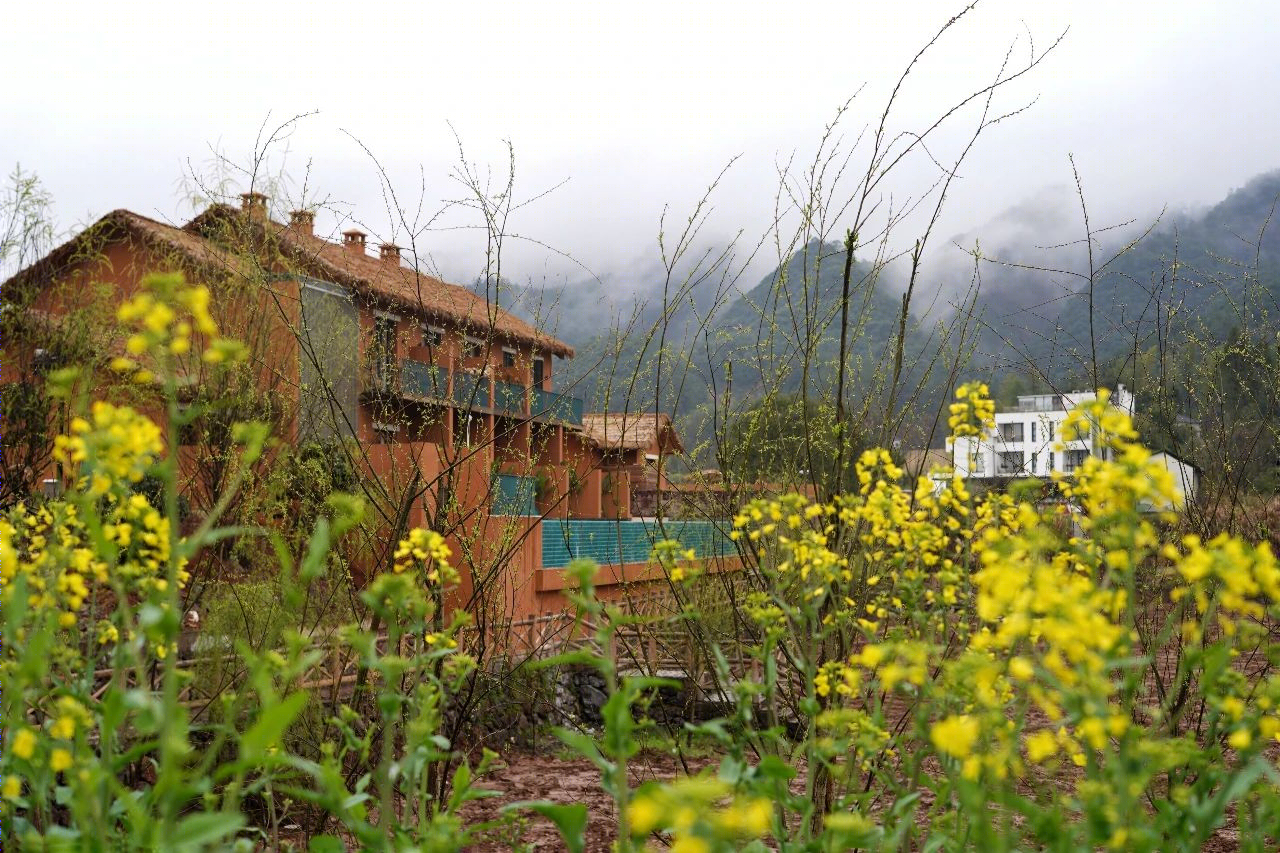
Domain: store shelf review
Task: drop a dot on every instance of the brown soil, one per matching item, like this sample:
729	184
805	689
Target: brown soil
526	776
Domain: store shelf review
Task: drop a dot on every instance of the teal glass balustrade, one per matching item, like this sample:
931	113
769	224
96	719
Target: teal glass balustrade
471	389
509	398
515	496
552	406
419	379
613	542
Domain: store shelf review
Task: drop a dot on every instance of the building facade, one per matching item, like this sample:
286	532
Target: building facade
1027	439
447	404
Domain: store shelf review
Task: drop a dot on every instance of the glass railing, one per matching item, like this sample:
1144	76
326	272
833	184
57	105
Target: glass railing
509	398
551	406
515	495
614	542
471	390
419	379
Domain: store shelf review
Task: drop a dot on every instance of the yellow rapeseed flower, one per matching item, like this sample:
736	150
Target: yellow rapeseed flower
59	760
955	735
644	814
1041	745
24	744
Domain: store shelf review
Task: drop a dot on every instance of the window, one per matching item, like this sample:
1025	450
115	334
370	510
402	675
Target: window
1011	432
472	348
1073	459
539	372
383	432
1033	440
1034	457
1010	462
1049	460
979	462
432	336
508	357
384	349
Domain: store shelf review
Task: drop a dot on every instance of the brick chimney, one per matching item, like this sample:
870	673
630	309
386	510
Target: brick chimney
353	241
254	204
389	253
302	221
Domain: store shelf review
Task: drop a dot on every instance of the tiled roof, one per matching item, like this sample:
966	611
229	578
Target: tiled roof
631	430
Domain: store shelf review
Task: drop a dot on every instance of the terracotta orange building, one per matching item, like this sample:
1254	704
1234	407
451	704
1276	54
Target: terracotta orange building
449	405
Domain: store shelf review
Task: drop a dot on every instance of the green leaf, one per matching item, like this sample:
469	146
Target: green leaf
271	725
313	564
206	828
571	820
326	844
586	747
773	767
461	782
637	683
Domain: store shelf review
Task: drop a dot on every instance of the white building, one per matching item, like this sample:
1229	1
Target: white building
1185	477
1027	439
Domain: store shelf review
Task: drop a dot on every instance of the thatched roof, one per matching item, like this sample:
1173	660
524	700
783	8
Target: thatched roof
210	240
632	431
120	226
385	281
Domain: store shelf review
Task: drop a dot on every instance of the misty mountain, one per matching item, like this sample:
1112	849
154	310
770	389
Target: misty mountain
635	352
687	355
1201	274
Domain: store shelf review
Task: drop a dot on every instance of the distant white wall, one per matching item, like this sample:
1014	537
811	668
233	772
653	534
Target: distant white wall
1184	475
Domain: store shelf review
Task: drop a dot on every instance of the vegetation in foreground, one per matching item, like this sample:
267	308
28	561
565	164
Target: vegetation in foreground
933	670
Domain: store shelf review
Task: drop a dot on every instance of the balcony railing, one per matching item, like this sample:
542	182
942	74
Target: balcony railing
470	390
419	380
510	399
615	542
404	377
1011	433
515	495
551	406
426	381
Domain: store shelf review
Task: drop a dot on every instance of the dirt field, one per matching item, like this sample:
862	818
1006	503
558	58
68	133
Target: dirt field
562	780
526	776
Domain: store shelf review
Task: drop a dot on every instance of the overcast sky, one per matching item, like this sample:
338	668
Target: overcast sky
629	106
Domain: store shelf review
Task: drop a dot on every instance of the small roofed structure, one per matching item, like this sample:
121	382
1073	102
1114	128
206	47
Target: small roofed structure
650	432
633	446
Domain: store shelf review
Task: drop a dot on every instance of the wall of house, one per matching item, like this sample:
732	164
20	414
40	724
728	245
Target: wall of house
259	312
615	498
584	459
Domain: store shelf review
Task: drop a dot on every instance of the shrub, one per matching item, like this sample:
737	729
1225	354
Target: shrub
936	670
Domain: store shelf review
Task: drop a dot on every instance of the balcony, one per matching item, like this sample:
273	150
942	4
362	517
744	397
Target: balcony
1010	464
405	378
510	399
1073	459
1011	433
619	542
1038	403
559	408
422	381
470	390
